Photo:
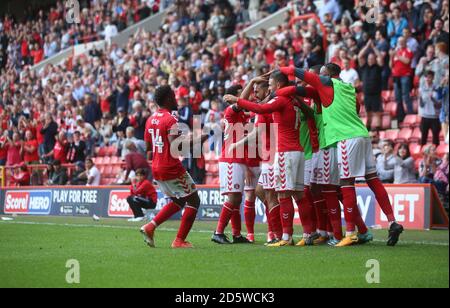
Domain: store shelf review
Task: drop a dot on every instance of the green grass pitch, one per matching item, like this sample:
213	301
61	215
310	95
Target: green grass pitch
111	253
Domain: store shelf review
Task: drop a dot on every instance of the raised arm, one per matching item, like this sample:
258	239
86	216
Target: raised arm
270	107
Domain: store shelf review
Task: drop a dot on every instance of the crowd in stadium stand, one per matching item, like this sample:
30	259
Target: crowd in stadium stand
66	114
45	32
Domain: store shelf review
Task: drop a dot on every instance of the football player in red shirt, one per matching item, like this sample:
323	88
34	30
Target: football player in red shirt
265	135
232	170
173	180
289	159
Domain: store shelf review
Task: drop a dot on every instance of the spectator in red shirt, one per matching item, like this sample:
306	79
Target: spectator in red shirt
29	149
401	59
3	152
143	196
12	147
37	53
59	152
21	176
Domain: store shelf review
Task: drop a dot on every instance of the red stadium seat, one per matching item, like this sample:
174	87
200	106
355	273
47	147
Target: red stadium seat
411	120
382	134
112	151
98	160
387	96
391	109
108	170
107	160
416	150
386	121
115	160
442	149
404	135
102	151
418	161
416	135
391	134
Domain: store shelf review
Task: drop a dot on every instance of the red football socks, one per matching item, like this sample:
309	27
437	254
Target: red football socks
187	221
168	211
225	216
236	221
250	215
305	210
275	221
334	210
350	207
382	197
320	207
287	216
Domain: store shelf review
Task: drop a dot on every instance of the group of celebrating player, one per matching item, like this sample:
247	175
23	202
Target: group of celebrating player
322	146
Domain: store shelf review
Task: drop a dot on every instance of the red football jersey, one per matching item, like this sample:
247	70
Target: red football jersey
252	157
287	115
268	152
159	127
232	135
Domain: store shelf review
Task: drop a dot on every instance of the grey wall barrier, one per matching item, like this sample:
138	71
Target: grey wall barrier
267	23
151	24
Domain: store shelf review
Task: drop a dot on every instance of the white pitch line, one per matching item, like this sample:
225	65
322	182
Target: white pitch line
176	230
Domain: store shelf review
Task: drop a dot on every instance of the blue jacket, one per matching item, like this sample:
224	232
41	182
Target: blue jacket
397	31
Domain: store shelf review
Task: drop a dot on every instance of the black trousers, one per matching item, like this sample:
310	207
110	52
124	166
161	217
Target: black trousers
435	126
138	203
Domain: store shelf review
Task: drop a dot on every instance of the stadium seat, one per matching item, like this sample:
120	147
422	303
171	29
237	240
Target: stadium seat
111	151
382	134
108	170
102	151
404	135
391	109
416	150
417	162
416	135
411	120
98	160
386	122
391	134
387	95
115	160
442	149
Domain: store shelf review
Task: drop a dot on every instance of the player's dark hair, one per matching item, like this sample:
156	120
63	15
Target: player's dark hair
233	90
316	69
280	78
406	148
264	85
162	93
333	69
141	172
